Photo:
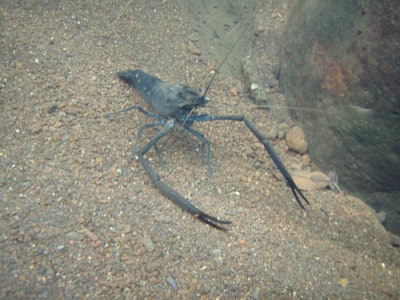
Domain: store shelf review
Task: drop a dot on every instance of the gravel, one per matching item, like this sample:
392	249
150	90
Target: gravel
78	221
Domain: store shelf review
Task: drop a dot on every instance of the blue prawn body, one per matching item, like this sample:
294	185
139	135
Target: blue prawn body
167	100
178	103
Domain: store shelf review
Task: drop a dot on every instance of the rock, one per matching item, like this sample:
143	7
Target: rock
196	51
252	81
172	283
35	127
75	236
52	109
381	216
204	289
296	140
343	282
260	28
148	243
395	240
305	180
349	74
305	160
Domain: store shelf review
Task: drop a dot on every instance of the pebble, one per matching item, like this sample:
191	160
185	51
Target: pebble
343	282
255	294
260	28
76	236
395	240
381	216
172	283
296	140
35	127
204	289
305	160
58	124
194	49
148	243
52	109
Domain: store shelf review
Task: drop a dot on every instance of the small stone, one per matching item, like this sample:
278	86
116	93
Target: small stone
256	294
128	229
254	86
395	240
76	236
52	109
381	216
211	66
204	289
172	283
22	277
281	134
296	140
148	243
305	160
91	235
226	270
19	65
305	180
98	160
58	124
96	243
35	128
233	92
343	282
196	51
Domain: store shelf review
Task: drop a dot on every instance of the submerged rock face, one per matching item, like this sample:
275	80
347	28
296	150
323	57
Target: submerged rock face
341	58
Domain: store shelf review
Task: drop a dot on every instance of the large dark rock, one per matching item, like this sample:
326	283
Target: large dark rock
341	58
